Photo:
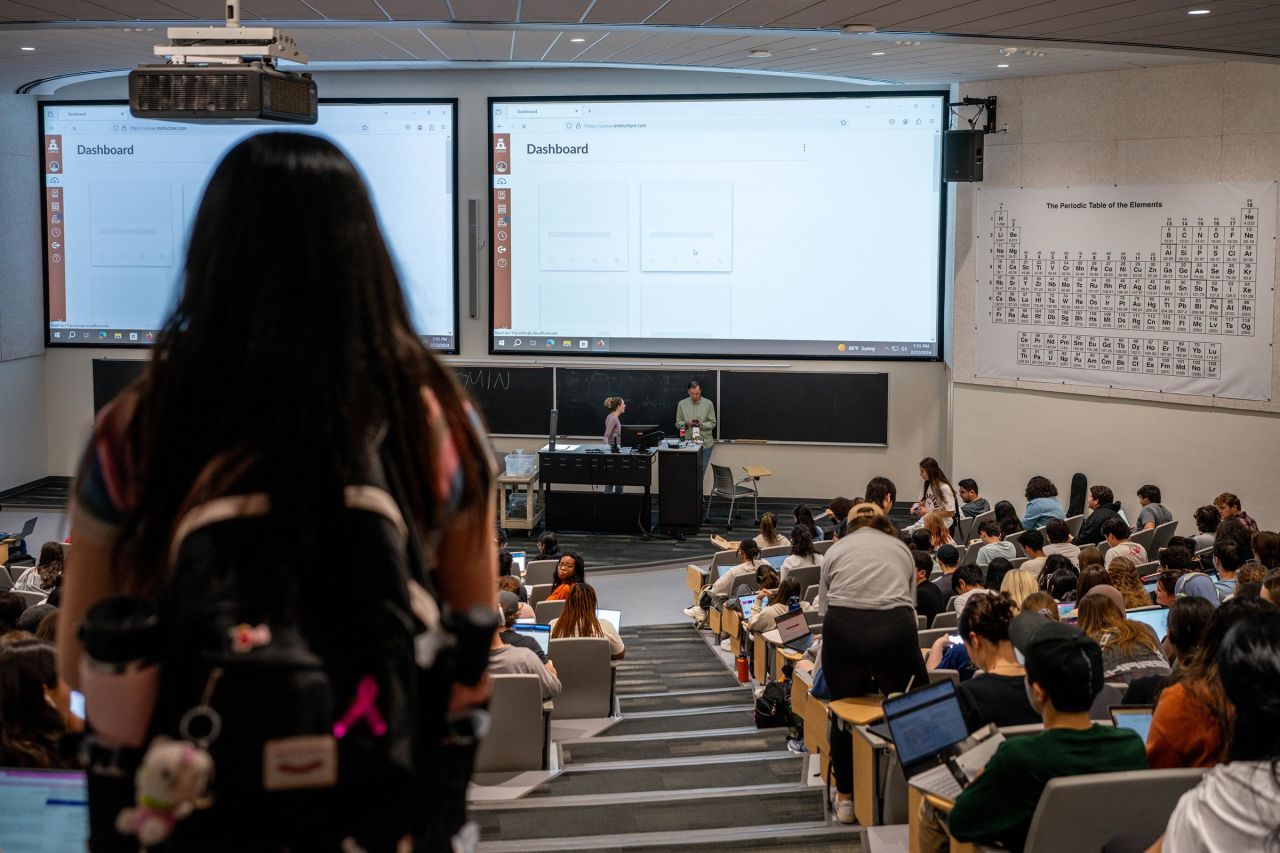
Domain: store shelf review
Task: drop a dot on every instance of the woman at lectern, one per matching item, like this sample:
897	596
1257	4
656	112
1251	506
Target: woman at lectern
613	431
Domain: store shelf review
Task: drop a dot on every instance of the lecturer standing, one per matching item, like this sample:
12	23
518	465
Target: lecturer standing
697	411
613	431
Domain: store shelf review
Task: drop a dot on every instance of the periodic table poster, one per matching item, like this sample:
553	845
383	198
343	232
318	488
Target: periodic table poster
1150	288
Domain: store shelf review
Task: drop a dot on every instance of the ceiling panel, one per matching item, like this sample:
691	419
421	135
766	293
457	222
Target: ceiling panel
416	10
618	41
485	10
200	9
621	11
565	49
288	10
957	14
555	11
358	10
492	45
691	11
821	14
892	16
532	44
452	43
410	43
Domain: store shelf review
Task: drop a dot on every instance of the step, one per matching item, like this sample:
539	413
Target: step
682	745
767	768
810	836
634	683
651	722
703	810
675	700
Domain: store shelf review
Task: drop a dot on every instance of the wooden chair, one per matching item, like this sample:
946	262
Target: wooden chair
723	486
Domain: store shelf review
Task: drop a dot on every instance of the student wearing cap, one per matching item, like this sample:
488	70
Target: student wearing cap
1064	675
509	602
515	660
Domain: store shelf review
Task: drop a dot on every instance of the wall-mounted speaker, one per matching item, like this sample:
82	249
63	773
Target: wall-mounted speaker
962	155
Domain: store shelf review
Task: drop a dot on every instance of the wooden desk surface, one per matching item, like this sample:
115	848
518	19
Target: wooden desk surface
757	471
518	479
858	710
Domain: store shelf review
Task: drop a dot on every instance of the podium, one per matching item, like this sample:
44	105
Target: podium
679	489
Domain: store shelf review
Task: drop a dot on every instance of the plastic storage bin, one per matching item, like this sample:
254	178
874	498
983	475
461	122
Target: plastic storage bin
520	464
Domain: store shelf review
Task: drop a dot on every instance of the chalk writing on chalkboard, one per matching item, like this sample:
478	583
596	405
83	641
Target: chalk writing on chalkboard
489	380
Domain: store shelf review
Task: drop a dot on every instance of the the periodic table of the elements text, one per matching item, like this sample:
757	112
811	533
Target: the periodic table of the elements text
1202	280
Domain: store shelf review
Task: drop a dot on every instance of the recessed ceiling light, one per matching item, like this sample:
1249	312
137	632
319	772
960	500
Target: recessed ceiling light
812	49
1197	11
878	53
1003	65
760	54
856	29
577	41
27	48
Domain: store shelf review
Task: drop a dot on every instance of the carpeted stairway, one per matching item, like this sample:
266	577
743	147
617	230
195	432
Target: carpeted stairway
684	768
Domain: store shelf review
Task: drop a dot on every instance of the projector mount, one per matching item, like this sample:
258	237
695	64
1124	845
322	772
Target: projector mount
232	44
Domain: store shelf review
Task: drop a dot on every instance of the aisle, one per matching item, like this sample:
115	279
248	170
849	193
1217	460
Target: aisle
685	767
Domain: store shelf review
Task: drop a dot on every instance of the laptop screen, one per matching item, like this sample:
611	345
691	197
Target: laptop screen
1136	718
613	616
776	560
517	562
925	722
541	633
1064	608
1157	618
792	626
43	810
747	602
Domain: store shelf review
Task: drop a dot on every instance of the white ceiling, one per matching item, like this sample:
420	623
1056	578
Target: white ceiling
921	41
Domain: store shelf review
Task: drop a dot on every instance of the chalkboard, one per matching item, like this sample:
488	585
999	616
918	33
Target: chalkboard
513	400
111	376
651	395
843	408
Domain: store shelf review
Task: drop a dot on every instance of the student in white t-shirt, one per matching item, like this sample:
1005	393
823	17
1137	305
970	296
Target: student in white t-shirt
1116	532
936	495
578	619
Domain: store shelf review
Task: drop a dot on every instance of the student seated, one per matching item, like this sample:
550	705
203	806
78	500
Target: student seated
838	512
996	694
919	539
973	503
1207	520
996	571
1042	503
1124	577
769	537
1130	649
727	584
1236	804
1032	543
515	660
512	585
1271	587
1042	603
802	553
1063	676
548	547
1057	534
1192	722
801	515
44	575
1116	532
1266	549
968	580
570	572
1153	513
510	606
1053	564
948	559
1008	519
780	604
937	526
1063	585
1103	507
578	619
34	706
12	606
1228	506
929	600
1228	557
1018	584
993	544
1188	620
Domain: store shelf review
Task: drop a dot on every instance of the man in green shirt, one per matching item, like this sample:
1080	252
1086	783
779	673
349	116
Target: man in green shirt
697	411
1064	676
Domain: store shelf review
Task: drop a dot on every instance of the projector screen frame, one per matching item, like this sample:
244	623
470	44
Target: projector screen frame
455	229
944	97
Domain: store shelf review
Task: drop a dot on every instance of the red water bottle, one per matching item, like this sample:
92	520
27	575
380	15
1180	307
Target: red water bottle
743	674
682	435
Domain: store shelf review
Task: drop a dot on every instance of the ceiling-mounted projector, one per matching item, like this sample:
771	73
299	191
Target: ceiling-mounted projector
224	74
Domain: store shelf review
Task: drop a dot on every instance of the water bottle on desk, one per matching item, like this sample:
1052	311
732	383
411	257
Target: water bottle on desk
682	436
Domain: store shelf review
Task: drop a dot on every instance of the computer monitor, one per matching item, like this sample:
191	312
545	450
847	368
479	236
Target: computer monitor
641	435
43	810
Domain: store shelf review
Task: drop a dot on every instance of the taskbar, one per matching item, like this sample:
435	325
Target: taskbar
96	336
581	345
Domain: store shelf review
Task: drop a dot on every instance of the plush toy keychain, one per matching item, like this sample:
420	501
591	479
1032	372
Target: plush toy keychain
173	776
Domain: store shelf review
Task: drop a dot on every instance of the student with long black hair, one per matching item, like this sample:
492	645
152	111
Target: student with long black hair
289	365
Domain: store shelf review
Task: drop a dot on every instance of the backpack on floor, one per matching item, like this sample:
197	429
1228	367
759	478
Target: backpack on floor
773	706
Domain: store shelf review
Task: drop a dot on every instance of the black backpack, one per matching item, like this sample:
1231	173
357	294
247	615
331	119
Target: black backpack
327	727
773	705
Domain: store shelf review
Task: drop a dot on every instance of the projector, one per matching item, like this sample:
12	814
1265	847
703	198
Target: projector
253	92
228	73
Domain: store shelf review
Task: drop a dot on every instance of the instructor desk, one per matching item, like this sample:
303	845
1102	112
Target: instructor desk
680	488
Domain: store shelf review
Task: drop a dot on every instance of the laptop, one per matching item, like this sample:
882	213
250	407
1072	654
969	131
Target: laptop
1157	618
747	602
937	753
1149	587
541	633
794	632
612	616
43	811
1136	718
518	562
1065	609
776	561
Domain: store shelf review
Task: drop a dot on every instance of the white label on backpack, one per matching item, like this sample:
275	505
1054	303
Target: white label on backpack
309	761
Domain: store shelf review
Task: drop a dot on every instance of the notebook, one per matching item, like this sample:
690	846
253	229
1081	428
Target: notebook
1136	718
937	753
541	633
793	630
612	616
43	810
1156	617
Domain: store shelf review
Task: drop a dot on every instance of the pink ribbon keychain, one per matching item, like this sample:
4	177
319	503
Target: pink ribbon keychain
363	707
